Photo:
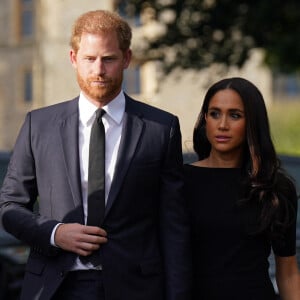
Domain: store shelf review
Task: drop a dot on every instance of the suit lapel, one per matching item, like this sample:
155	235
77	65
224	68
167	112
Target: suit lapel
132	130
69	143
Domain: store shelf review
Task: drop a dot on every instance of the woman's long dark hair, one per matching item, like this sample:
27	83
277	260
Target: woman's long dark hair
264	179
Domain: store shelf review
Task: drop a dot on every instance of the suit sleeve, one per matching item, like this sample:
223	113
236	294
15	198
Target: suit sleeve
19	195
175	234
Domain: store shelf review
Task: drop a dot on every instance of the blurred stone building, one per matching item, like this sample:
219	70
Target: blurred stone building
35	70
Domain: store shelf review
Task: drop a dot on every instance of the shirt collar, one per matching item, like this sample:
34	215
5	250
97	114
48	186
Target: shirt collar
114	109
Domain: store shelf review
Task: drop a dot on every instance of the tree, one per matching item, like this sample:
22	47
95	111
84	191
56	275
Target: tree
275	27
197	33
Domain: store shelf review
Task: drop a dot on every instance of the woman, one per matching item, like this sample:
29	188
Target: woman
241	202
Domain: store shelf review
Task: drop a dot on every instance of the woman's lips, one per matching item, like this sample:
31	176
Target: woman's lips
222	138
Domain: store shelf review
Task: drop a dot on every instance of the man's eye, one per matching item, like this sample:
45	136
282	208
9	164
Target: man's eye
108	59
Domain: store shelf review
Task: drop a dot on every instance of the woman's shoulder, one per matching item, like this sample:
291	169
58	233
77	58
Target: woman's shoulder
195	167
285	185
192	170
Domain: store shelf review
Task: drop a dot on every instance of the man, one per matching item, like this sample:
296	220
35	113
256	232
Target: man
142	245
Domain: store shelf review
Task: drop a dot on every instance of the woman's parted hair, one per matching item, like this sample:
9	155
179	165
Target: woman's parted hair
100	21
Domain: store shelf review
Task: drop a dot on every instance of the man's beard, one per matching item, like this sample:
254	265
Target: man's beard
102	94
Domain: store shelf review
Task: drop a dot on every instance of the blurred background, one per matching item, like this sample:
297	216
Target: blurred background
180	48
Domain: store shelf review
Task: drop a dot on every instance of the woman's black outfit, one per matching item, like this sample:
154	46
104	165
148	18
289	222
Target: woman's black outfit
230	261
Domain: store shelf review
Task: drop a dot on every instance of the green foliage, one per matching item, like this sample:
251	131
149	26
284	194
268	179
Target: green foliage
202	32
285	127
274	25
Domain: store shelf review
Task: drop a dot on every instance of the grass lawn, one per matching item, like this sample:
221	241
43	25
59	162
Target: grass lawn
285	127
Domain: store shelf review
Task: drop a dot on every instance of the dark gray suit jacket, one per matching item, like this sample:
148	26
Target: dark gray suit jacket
147	253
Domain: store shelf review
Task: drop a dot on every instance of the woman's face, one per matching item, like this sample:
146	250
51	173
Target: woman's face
226	123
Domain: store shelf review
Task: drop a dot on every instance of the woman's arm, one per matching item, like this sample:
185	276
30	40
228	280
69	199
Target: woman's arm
287	277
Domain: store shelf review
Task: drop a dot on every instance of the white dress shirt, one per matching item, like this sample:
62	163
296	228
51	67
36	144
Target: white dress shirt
113	123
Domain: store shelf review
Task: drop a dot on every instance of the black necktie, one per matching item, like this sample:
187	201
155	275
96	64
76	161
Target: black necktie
96	175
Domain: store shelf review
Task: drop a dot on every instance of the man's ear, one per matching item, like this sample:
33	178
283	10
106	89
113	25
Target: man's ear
127	58
73	58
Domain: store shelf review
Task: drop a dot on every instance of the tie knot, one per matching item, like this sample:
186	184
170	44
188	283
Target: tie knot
99	113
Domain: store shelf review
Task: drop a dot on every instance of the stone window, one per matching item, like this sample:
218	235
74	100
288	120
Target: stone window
28	88
26	18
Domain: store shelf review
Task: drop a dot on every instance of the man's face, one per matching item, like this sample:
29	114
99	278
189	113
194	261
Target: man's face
99	64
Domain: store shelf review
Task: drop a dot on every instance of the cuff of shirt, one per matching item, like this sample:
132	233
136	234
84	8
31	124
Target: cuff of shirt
52	241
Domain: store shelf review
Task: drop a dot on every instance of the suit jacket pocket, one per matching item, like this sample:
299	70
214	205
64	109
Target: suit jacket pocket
151	267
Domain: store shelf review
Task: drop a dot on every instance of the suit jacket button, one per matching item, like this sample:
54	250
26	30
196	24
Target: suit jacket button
62	273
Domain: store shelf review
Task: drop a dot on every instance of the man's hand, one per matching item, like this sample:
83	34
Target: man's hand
79	239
